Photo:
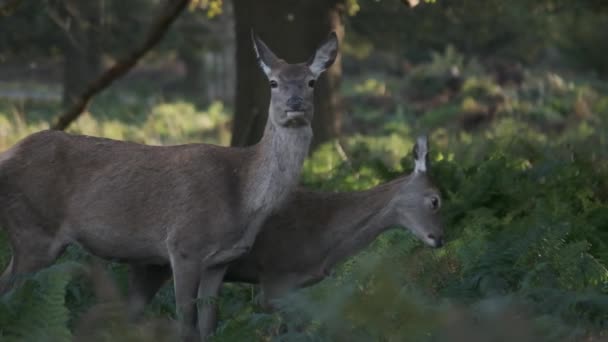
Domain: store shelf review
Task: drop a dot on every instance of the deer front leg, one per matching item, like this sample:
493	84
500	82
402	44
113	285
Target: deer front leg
186	277
29	256
144	283
208	293
34	245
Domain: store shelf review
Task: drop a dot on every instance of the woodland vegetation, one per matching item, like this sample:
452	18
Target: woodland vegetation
513	96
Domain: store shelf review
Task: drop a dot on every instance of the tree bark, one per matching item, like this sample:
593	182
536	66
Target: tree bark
161	24
293	29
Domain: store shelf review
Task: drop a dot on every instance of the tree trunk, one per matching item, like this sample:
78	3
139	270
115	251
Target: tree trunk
293	29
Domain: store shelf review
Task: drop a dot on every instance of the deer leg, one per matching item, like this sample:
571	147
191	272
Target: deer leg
6	277
186	277
144	283
29	257
33	244
208	293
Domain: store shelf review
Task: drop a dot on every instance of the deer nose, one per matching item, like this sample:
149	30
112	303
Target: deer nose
437	240
295	103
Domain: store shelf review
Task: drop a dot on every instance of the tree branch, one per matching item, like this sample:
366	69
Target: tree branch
159	28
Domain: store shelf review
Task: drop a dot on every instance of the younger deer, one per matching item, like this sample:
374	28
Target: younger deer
302	243
299	245
194	207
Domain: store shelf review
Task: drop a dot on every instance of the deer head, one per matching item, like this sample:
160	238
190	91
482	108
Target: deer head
291	85
418	201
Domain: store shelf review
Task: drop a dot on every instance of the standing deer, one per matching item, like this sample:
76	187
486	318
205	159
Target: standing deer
299	245
195	207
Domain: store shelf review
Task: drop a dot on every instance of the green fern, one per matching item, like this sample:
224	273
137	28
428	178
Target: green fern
35	310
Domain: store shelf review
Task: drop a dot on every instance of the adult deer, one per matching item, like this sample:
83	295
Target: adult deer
300	244
194	207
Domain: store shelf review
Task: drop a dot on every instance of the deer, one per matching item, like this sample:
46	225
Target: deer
193	207
300	244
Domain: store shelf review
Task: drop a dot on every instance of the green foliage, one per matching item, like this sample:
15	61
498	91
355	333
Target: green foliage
35	310
584	44
531	32
430	78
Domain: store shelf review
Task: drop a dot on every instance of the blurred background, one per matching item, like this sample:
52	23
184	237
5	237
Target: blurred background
514	98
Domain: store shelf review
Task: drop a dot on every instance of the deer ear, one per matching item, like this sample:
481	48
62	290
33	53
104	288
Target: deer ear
325	55
421	152
265	57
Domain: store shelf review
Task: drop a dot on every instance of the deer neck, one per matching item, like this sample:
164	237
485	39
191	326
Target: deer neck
359	218
276	167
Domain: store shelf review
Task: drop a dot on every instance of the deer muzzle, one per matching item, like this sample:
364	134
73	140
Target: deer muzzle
435	241
296	118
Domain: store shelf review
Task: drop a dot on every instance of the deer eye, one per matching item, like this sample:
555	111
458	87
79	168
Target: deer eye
311	83
273	84
434	203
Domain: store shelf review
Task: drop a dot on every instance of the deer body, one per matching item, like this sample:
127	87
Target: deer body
160	189
194	207
313	233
